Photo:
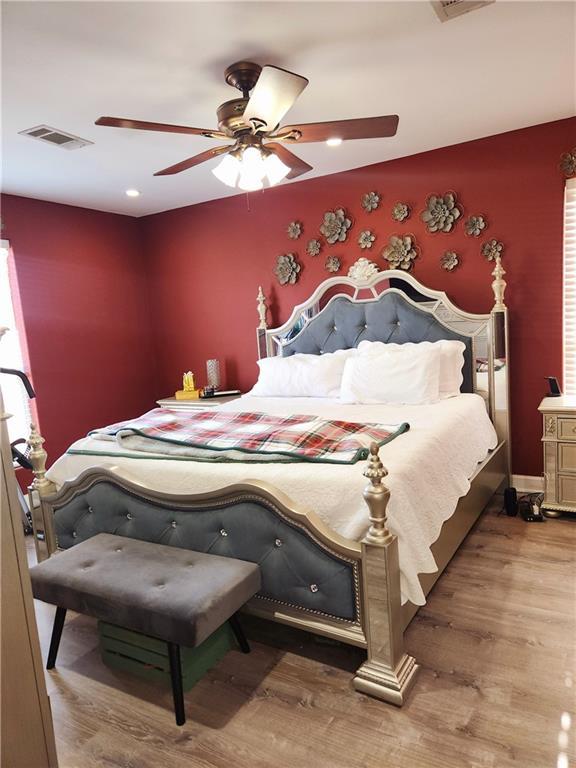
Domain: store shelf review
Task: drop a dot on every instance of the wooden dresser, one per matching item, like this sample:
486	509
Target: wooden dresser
559	441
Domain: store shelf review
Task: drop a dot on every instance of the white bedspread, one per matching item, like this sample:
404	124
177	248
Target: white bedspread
429	469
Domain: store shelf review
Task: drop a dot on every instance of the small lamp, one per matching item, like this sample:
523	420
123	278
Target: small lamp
213	373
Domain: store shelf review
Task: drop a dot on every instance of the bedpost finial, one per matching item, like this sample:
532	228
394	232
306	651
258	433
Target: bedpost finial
261	304
38	457
376	496
375	470
498	284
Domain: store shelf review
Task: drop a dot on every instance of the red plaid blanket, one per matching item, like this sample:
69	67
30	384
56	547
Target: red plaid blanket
299	438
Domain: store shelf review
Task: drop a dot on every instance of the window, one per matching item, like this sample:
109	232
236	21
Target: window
569	303
16	400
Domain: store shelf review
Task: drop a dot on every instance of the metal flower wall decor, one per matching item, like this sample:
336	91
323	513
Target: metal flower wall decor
287	269
441	212
335	226
449	261
568	163
401	211
370	201
491	249
332	264
314	247
294	230
363	270
365	239
474	225
401	252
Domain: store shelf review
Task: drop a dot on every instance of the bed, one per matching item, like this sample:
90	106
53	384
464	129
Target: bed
340	556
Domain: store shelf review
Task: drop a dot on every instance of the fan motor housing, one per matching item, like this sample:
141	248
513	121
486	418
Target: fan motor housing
231	116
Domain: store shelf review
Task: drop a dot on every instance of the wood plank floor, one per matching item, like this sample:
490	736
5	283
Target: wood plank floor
496	648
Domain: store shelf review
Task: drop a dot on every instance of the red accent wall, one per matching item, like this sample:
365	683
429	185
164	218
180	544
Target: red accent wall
84	295
206	261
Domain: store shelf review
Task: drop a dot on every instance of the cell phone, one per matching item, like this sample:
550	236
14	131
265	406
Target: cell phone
553	387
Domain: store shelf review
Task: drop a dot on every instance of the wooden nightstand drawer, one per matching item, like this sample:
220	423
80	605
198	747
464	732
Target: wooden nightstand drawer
567	457
567	489
566	428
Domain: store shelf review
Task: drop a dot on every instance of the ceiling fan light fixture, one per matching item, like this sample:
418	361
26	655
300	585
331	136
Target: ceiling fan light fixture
228	170
276	170
249	183
334	142
253	164
252	170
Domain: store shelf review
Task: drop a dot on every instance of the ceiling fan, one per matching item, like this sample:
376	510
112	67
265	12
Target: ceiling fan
267	94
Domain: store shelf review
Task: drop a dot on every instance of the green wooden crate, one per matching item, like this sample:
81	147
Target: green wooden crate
147	656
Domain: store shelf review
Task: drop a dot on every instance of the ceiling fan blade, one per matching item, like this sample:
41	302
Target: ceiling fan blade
273	95
196	160
359	128
143	125
297	165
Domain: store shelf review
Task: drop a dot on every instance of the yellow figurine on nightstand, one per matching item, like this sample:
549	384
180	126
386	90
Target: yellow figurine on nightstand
188	392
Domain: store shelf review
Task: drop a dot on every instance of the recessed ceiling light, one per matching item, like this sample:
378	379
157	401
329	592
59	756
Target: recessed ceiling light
132	193
335	142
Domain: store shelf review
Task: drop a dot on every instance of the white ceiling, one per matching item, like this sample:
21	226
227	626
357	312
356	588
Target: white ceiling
505	66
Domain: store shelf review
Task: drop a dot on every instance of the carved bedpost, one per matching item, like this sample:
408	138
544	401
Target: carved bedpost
500	395
262	326
38	457
498	285
377	495
44	537
389	672
261	300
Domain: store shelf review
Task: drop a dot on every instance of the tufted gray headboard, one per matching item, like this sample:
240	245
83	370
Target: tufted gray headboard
344	323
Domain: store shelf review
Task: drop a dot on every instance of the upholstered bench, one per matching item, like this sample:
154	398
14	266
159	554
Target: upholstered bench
172	594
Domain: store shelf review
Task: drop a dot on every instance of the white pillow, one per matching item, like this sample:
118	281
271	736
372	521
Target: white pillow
400	376
451	360
302	375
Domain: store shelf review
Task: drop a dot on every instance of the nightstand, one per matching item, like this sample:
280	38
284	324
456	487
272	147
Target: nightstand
559	441
201	402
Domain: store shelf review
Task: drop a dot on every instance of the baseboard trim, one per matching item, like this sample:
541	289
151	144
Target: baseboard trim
528	483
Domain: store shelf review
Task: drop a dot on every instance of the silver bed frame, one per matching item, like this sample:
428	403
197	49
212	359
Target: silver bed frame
389	671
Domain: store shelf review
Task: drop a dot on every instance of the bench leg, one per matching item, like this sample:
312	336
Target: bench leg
176	676
239	633
56	635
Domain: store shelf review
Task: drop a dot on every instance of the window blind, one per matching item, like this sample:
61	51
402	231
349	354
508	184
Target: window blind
16	401
569	298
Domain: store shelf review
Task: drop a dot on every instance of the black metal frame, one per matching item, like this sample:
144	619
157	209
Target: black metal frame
176	678
173	657
239	633
56	635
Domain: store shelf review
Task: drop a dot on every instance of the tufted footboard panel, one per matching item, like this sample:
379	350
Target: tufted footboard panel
296	569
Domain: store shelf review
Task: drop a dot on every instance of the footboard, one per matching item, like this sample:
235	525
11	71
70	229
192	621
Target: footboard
312	578
303	567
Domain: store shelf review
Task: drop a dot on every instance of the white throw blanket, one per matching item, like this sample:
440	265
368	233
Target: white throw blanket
428	471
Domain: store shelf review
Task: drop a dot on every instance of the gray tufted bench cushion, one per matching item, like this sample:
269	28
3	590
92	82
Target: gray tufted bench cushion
166	592
173	594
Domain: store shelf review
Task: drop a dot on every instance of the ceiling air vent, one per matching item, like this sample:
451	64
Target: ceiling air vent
56	137
449	9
